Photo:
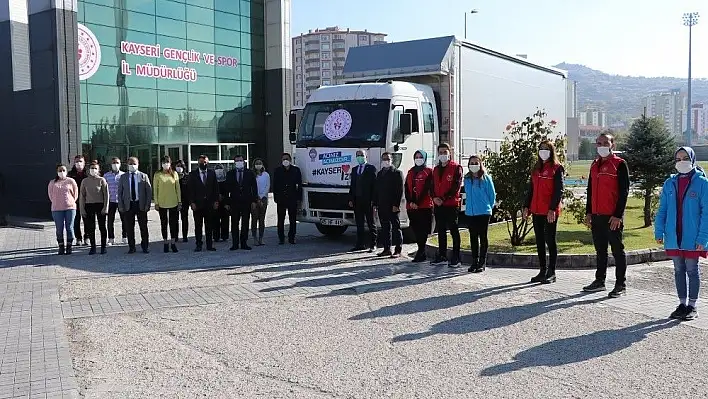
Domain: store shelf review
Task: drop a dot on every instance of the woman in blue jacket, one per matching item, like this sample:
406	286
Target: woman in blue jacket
479	202
682	226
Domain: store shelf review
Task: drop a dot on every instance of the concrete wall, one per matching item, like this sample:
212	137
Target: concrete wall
278	78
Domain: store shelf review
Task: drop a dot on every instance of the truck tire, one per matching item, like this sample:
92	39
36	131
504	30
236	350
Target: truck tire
331	231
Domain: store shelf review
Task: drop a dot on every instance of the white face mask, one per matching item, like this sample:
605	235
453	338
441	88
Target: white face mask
444	158
684	166
385	164
544	154
133	168
166	166
604	152
62	174
474	168
179	169
220	175
286	163
419	161
115	167
93	172
79	165
239	164
258	166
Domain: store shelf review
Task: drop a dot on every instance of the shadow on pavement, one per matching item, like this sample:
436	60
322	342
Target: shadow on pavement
385	285
579	349
439	302
498	318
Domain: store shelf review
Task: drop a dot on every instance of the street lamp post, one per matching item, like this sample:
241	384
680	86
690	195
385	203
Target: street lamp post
689	19
470	12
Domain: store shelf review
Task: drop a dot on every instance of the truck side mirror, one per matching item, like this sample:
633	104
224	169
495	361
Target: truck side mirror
292	123
406	124
293	138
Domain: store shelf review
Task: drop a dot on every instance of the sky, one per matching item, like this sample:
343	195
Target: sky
624	37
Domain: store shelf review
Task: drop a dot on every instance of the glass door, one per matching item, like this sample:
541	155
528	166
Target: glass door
174	152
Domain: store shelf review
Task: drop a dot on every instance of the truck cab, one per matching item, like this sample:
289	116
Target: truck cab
395	117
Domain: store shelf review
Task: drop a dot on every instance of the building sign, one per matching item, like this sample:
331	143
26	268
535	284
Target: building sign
327	165
89	53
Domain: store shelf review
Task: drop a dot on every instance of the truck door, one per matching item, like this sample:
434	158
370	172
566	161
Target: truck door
408	145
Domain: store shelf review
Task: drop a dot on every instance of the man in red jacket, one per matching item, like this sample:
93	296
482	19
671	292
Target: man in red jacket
608	189
447	178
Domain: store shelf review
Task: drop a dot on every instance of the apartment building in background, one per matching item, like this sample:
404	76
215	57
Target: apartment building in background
318	57
669	106
572	122
593	117
699	119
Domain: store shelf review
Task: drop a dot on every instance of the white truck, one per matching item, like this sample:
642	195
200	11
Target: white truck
405	96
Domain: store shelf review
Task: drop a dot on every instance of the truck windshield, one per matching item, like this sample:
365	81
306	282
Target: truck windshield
344	124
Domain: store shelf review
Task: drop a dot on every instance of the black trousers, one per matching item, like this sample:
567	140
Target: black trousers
421	223
168	216
291	209
220	227
364	211
129	225
241	213
202	217
545	237
601	237
391	229
478	227
93	212
112	209
184	217
77	225
446	219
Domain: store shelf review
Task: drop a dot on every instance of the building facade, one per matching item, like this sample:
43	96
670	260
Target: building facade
669	106
319	55
143	78
699	119
593	117
572	122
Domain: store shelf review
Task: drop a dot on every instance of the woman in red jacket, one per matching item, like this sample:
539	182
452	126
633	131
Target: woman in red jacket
419	201
543	203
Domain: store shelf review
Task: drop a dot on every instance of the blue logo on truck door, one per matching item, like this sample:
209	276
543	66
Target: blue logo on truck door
334	158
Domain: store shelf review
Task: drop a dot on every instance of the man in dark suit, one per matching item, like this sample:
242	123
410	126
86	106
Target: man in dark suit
242	193
134	200
361	192
204	195
387	200
287	193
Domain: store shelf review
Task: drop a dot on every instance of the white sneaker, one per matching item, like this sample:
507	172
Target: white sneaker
123	240
79	242
111	241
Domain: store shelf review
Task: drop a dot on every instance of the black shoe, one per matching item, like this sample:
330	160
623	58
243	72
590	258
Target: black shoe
595	286
211	249
690	314
549	279
166	248
198	249
173	247
92	251
439	260
384	253
68	249
397	253
454	262
146	250
292	241
62	249
245	247
539	277
185	239
419	258
358	248
103	251
131	250
679	313
617	292
473	267
233	248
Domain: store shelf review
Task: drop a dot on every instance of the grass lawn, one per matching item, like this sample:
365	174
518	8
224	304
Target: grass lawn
573	238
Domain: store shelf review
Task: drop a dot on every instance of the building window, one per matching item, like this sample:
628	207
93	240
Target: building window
363	38
428	118
338	45
297	59
339	37
298	94
297	41
326	83
324	37
298	77
326	74
325	55
297	50
325	46
326	65
298	68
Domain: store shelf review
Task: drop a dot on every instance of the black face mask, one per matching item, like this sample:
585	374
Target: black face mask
202	166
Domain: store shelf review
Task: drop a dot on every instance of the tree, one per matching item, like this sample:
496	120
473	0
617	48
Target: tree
513	165
586	150
650	156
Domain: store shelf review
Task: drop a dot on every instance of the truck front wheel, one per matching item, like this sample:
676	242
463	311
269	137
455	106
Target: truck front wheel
331	231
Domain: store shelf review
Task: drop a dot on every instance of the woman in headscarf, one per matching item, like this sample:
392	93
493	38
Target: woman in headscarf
682	227
480	197
419	201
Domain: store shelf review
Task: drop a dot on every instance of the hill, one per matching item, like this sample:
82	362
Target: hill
621	96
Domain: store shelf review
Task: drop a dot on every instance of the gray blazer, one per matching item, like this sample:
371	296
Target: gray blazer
144	192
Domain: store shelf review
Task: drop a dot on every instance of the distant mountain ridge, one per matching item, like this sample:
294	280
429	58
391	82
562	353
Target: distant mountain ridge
621	96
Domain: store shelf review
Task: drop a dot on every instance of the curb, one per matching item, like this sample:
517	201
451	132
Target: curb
565	261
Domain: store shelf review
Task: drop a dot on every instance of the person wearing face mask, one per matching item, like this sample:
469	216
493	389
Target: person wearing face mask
113	179
607	192
203	191
287	193
63	194
681	225
419	201
543	203
134	200
388	194
242	197
78	173
184	209
221	216
481	197
93	203
259	212
167	195
447	181
361	191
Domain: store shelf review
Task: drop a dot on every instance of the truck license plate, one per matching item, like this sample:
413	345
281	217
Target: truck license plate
332	222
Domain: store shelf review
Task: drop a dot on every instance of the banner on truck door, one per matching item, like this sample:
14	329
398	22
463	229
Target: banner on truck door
331	166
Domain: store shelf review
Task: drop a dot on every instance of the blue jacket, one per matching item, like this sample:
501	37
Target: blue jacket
694	220
480	195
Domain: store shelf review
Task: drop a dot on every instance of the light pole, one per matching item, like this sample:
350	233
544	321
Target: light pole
689	19
470	12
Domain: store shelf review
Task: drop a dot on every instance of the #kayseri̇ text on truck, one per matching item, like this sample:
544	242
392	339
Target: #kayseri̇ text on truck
405	96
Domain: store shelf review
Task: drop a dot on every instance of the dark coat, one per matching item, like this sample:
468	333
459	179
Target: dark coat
361	188
203	195
287	185
241	195
389	189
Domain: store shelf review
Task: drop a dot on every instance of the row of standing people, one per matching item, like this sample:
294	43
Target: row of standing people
82	194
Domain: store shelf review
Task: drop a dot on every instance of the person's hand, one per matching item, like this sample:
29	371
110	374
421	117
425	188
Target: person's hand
104	212
437	201
157	207
615	223
551	216
414	205
588	220
525	213
660	241
351	204
227	207
253	206
179	206
700	247
194	207
395	209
